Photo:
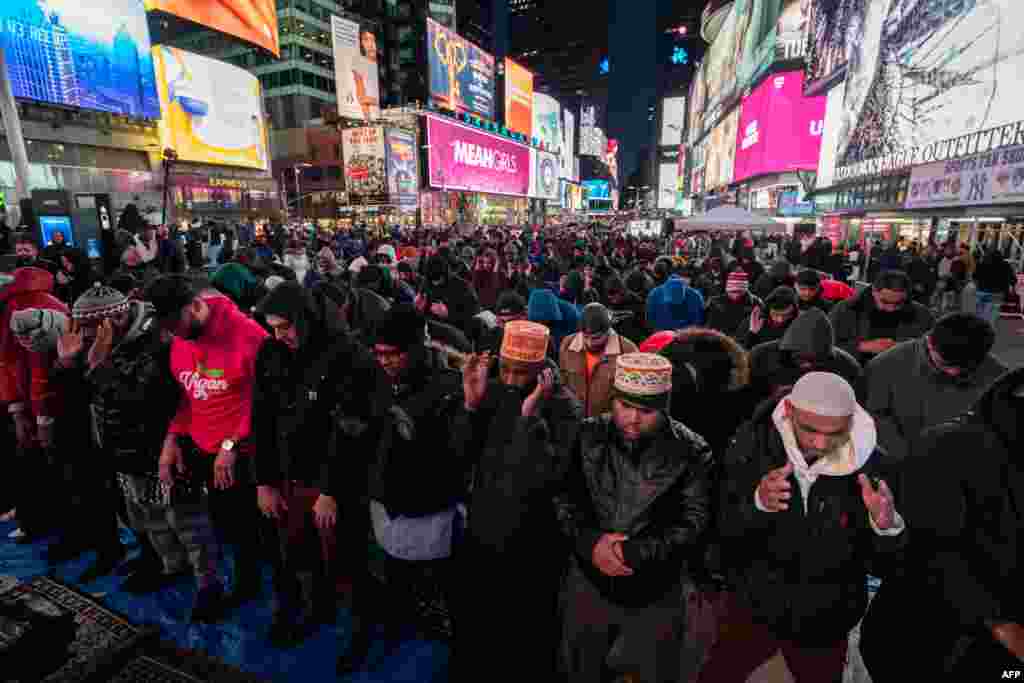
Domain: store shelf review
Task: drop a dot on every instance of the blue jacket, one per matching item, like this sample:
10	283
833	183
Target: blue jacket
561	317
674	305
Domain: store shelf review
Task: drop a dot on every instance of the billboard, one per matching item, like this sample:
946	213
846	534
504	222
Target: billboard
443	12
400	153
71	54
982	179
518	98
543	175
611	160
926	72
363	153
463	158
592	140
668	178
779	129
547	115
211	110
720	154
568	158
356	74
673	121
831	27
461	74
830	138
254	21
597	189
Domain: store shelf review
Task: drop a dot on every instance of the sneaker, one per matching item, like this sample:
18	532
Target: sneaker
16	534
209	604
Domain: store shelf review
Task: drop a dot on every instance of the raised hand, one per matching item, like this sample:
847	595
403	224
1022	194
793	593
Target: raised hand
71	343
773	491
102	345
474	379
756	320
545	387
607	556
880	503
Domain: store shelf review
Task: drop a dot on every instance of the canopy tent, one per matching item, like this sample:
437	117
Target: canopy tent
729	218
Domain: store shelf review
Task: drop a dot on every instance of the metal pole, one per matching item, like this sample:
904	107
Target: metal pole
15	138
167	190
298	195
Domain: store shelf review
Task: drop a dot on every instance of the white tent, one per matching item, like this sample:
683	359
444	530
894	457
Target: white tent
729	218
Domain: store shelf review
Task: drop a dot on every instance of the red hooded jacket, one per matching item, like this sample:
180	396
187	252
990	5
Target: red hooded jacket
24	374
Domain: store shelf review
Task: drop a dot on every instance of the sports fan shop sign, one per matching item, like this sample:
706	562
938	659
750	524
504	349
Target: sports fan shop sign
990	178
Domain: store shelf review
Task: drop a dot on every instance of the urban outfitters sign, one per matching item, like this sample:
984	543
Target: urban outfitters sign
989	178
980	143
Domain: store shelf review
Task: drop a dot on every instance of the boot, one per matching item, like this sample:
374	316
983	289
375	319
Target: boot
285	629
247	578
359	649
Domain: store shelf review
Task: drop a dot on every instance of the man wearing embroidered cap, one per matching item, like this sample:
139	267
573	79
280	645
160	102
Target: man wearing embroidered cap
638	500
114	360
516	432
804	511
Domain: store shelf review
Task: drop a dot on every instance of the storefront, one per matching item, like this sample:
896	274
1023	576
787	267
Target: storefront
196	195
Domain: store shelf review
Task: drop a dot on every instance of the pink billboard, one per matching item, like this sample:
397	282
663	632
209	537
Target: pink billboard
460	158
780	129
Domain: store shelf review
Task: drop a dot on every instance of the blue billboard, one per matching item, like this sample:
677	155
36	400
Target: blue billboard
93	54
461	74
597	189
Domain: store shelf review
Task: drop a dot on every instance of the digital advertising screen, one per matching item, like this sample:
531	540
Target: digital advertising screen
212	112
568	158
673	121
403	180
592	138
364	156
720	155
254	21
463	158
830	138
831	27
543	175
597	189
70	53
668	177
611	160
547	116
518	98
924	72
779	130
53	224
461	74
356	74
443	12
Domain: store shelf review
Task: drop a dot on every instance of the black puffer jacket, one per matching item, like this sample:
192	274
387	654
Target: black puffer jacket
802	573
350	397
857	319
132	397
441	286
518	463
656	492
726	316
404	479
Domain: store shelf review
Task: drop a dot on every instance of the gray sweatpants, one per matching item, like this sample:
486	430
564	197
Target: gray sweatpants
181	534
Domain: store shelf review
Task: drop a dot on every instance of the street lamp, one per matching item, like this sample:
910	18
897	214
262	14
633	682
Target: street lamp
298	190
169	157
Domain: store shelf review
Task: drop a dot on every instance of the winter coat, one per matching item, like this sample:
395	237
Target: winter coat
595	394
460	298
132	397
344	382
964	560
780	275
726	316
656	492
674	306
79	279
170	257
629	317
425	403
995	276
517	464
488	284
773	365
803	571
907	394
559	316
853	321
24	374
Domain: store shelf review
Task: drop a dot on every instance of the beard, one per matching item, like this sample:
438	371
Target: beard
886	319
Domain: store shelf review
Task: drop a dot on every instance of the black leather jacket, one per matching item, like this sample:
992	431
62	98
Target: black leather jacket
655	492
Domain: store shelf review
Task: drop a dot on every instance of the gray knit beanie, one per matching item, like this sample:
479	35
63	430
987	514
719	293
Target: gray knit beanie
99	302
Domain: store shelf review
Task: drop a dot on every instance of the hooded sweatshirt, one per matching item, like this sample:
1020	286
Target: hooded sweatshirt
215	373
674	306
773	365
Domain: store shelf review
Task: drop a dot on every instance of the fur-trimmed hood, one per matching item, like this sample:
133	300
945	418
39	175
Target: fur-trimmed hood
691	345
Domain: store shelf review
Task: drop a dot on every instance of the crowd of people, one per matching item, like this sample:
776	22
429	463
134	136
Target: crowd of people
536	445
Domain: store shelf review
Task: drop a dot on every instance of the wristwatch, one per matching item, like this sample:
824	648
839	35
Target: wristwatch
227	445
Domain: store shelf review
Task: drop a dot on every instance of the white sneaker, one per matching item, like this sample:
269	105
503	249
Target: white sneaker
16	534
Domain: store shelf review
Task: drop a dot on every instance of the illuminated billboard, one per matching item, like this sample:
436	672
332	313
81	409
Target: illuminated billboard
464	158
70	53
518	98
355	70
592	137
568	158
668	178
254	21
547	115
673	121
720	155
211	110
779	130
461	74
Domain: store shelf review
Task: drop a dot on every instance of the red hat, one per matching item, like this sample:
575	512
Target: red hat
737	282
657	341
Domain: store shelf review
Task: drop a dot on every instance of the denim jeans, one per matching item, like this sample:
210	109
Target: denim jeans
989	305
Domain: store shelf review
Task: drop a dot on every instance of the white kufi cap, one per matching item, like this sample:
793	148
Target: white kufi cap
825	394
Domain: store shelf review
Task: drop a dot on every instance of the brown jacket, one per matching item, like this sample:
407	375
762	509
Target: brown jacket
572	359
